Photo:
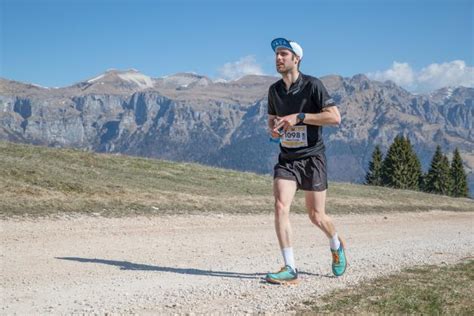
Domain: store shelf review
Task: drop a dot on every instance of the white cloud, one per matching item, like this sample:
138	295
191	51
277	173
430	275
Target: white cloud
455	73
244	66
400	73
432	77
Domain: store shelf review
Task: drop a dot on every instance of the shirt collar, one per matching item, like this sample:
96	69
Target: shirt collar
295	86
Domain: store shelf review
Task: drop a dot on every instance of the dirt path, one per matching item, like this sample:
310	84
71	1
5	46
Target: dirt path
205	264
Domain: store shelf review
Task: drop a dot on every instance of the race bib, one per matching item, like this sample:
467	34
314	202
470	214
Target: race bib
295	137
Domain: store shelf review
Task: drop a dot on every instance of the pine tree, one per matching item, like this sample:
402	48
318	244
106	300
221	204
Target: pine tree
458	176
438	179
391	162
414	178
374	175
401	167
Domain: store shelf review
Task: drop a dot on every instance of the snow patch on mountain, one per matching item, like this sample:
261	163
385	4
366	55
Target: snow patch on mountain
137	78
96	78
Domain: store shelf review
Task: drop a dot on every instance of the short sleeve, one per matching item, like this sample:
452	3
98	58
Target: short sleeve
322	96
271	103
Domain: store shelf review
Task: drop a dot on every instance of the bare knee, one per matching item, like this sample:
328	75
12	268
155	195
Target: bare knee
281	209
317	218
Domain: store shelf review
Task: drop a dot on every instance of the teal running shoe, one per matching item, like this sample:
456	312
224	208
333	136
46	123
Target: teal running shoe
339	262
286	275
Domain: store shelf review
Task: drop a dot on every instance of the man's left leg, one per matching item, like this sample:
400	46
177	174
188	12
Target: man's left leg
316	207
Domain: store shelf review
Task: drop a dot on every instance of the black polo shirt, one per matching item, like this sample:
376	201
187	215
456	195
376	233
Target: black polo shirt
308	95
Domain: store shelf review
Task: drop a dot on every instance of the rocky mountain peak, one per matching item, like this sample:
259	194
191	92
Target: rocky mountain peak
115	81
14	87
260	80
443	93
360	78
183	80
333	82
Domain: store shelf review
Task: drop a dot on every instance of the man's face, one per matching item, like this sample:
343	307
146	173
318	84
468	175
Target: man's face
285	60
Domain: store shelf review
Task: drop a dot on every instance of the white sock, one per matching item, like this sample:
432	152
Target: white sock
288	257
334	242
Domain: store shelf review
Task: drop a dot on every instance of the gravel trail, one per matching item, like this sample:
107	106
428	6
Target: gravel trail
205	263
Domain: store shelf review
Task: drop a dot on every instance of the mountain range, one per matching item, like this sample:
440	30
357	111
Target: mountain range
189	117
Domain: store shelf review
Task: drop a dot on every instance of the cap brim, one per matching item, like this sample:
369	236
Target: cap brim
281	43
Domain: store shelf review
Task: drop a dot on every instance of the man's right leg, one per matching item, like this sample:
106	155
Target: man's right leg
284	190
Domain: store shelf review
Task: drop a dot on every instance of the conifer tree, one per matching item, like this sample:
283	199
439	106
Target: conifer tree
374	175
415	175
390	163
401	167
458	176
438	179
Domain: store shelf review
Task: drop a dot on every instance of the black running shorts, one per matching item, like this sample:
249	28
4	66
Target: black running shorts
309	173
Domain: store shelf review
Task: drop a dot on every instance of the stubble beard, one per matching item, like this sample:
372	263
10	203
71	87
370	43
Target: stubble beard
283	71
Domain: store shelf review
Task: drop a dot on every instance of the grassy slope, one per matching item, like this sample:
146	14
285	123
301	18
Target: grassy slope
42	181
424	290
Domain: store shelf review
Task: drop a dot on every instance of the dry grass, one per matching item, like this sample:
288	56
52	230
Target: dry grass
425	290
40	181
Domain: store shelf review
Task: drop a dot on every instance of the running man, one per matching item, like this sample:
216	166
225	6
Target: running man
298	106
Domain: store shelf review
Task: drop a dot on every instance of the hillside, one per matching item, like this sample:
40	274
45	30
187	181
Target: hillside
40	181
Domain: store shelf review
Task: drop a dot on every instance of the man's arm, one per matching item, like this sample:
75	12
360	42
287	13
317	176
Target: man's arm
329	116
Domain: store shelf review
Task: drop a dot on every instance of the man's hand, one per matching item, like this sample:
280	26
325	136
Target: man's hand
285	122
275	134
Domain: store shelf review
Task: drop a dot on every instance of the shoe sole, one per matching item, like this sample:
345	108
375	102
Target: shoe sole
282	282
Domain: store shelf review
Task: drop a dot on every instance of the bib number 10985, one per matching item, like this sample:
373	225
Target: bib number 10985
295	137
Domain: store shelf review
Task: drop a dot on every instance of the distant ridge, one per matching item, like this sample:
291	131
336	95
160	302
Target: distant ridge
189	117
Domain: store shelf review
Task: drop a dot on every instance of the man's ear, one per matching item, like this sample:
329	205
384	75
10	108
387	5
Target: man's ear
296	58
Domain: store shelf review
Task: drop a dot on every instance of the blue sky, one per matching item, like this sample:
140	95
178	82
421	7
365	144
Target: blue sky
418	44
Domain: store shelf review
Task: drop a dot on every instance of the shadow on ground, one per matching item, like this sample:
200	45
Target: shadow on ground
126	265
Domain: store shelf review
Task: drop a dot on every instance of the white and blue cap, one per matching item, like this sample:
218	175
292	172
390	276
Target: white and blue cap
288	44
